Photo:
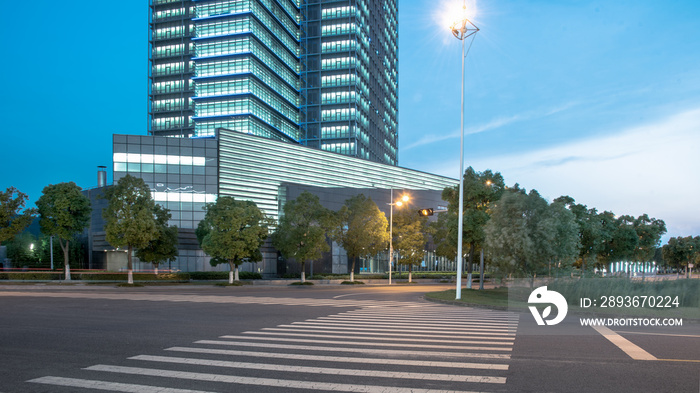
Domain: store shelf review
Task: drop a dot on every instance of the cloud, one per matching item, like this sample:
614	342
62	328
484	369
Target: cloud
491	125
652	168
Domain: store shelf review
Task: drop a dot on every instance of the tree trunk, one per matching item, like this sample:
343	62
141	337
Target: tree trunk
470	263
352	270
232	267
481	269
410	273
65	257
129	266
303	271
155	270
235	274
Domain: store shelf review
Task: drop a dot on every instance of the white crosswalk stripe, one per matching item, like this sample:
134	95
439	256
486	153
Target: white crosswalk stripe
384	347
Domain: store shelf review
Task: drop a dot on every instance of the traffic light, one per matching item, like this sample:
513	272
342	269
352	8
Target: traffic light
425	212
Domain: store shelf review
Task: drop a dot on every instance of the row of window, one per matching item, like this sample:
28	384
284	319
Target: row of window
171	86
338	97
337	63
347	148
239	44
339	12
338	114
338	80
169	13
340	28
338	46
247	85
172	104
237	6
159	168
246	105
166	123
171	32
244	65
245	125
171	68
172	50
247	24
159	159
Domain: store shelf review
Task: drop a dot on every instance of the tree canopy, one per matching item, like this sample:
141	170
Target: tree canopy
232	232
410	236
480	190
129	217
13	217
361	229
163	247
64	212
526	234
301	233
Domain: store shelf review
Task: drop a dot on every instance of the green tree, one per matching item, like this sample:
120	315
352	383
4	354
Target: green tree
410	236
526	234
560	236
163	248
24	250
480	190
679	252
361	229
649	232
301	233
624	242
232	232
590	231
13	217
64	213
129	217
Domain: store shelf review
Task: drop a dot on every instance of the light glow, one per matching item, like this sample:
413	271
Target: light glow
452	12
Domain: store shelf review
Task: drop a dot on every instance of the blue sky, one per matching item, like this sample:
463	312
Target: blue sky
599	100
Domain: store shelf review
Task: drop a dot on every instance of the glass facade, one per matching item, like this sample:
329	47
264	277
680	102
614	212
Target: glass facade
170	105
350	77
247	53
282	69
181	172
184	174
255	168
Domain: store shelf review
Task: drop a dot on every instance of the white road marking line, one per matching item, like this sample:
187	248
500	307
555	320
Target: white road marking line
109	386
662	334
411	336
436	312
403	322
423	318
408	327
358	342
307	385
342	359
435	334
391	352
409	339
323	370
625	345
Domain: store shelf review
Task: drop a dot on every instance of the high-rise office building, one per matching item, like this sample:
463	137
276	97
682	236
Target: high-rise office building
320	73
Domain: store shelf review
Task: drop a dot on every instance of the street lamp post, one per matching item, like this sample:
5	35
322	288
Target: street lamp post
391	226
461	30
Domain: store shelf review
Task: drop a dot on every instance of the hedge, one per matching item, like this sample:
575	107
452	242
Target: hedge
224	276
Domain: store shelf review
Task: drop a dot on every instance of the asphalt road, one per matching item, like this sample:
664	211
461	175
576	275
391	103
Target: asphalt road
189	338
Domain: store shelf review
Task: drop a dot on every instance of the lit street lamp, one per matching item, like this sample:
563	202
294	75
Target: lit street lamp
461	30
391	226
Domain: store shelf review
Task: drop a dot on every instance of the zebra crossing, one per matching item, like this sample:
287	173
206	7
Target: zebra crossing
382	347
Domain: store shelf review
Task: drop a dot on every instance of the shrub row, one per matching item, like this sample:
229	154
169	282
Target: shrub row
44	276
224	276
